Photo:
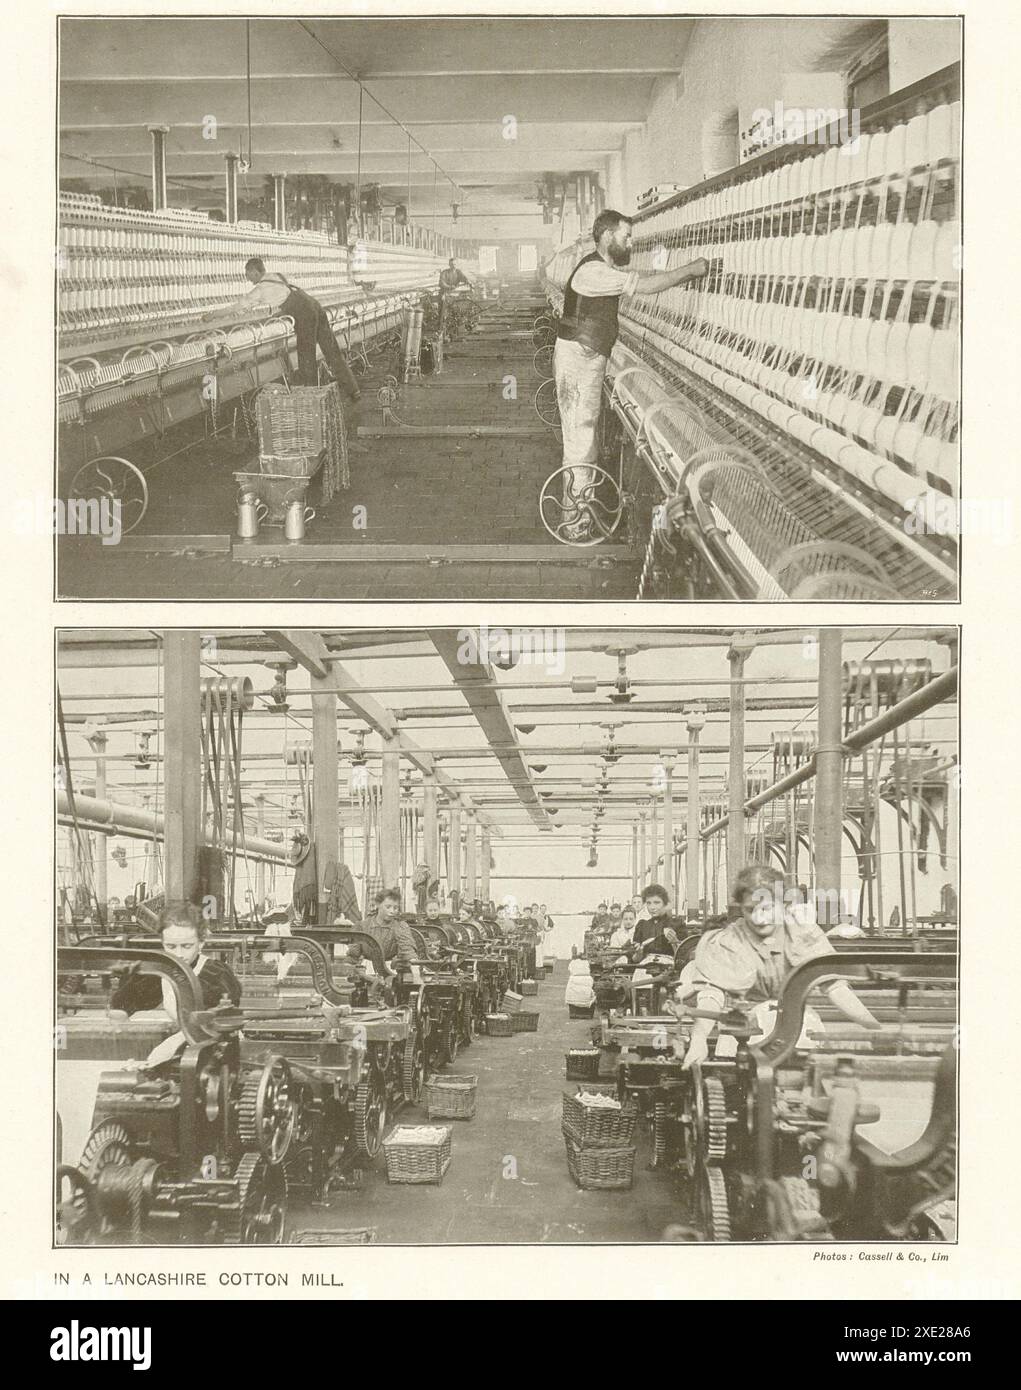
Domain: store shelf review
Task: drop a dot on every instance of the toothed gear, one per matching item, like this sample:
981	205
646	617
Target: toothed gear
256	1216
716	1120
716	1207
268	1111
370	1116
413	1076
107	1144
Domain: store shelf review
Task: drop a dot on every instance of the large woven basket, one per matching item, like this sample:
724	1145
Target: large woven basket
290	465
594	1126
451	1097
524	1021
417	1153
604	1169
529	987
582	1064
291	420
498	1026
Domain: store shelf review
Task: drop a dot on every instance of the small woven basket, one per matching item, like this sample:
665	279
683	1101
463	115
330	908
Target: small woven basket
451	1097
499	1026
524	1021
582	1064
596	1126
606	1169
417	1153
510	1001
529	987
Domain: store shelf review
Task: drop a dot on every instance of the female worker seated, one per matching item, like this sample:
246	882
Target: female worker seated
751	956
182	930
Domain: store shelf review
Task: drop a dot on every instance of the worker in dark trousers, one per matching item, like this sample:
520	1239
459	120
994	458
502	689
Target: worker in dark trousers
274	292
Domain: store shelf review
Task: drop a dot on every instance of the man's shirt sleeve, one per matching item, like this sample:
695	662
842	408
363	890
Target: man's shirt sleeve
597	278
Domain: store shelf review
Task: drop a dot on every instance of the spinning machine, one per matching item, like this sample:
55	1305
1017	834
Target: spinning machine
140	379
786	425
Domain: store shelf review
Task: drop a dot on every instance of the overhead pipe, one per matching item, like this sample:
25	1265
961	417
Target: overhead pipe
930	695
114	818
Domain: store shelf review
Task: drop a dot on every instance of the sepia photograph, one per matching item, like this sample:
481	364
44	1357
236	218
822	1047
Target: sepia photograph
496	936
541	307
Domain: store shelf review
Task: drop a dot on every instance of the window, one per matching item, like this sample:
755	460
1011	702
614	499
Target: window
868	74
528	259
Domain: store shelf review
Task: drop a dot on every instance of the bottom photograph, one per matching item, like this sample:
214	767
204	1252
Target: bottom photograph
506	935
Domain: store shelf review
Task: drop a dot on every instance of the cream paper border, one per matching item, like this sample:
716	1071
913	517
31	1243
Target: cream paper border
985	1263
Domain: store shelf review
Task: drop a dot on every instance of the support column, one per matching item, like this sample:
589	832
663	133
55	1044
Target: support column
279	203
325	805
634	858
736	779
829	785
642	850
667	759
182	765
487	852
953	829
390	815
159	135
231	189
454	868
97	742
430	825
693	849
469	877
260	866
653	843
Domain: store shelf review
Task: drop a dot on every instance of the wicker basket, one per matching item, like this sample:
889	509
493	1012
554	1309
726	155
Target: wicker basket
524	1021
594	1126
529	987
291	419
451	1097
499	1026
417	1153
582	1064
605	1169
510	1001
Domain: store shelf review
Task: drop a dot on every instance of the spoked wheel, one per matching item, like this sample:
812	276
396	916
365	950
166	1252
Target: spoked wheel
542	362
115	481
268	1110
585	514
370	1115
547	406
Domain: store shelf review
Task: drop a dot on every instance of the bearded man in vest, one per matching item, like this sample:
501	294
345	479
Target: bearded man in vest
273	293
585	339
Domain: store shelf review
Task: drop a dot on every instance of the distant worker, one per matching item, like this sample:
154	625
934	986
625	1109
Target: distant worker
451	278
274	292
585	337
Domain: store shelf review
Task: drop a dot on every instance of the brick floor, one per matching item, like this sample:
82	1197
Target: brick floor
454	490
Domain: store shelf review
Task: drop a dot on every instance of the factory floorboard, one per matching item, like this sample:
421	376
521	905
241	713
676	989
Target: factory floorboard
508	1180
437	490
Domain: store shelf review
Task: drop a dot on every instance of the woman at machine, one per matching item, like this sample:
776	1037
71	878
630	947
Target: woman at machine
182	930
752	954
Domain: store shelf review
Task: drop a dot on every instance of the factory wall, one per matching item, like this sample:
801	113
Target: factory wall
730	71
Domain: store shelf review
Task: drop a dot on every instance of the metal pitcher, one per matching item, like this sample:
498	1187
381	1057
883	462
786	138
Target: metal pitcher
251	511
296	518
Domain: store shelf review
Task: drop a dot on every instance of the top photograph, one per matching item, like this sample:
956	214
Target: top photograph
525	309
